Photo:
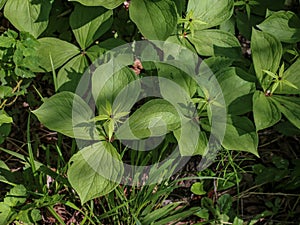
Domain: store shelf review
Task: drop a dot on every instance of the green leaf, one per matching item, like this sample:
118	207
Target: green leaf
160	213
35	215
249	76
97	51
96	170
266	54
30	16
68	114
16	196
237	221
236	91
209	13
290	107
2	3
4	131
109	4
198	189
23	158
284	25
225	203
268	174
121	89
7	214
178	40
202	213
229	25
7	42
207	203
5	173
178	216
217	64
190	139
157	117
69	75
287	128
60	52
181	6
156	19
230	180
171	80
265	112
264	5
290	75
89	23
18	57
23	72
29	216
174	74
240	135
216	43
3	166
245	24
4	118
280	163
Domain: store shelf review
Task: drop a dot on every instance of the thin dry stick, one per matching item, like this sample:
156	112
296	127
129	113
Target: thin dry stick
16	88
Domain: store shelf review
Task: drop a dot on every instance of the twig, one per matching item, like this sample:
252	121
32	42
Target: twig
17	87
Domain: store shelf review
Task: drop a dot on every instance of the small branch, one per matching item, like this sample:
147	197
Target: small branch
16	88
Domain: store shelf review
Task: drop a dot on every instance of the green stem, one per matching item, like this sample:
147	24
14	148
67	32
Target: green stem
56	216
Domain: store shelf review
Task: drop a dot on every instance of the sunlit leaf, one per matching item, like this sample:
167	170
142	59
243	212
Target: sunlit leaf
95	171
